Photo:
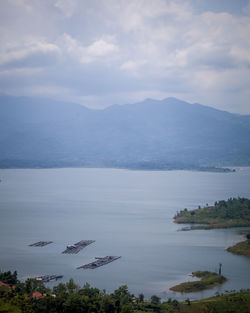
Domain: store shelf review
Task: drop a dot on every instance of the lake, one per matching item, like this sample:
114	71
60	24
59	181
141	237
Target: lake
129	214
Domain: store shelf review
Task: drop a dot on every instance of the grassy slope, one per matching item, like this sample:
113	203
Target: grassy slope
224	214
241	248
234	302
228	303
208	280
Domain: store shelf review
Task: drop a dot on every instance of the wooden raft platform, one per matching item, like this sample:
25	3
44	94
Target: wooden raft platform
48	278
77	247
99	262
40	244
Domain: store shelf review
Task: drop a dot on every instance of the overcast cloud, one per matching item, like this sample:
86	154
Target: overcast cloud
102	52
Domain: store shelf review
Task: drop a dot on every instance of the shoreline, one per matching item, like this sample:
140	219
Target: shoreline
163	169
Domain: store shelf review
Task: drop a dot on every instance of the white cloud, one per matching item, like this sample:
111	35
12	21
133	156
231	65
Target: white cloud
24	4
247	9
207	40
67	7
99	50
23	53
135	15
163	46
129	65
133	66
23	72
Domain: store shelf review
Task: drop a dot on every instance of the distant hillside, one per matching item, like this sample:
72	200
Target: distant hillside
150	134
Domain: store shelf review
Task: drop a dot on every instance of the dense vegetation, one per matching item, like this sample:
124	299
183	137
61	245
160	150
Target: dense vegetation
70	298
241	248
208	280
235	212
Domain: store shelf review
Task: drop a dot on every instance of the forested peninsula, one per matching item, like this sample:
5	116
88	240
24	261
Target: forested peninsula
207	280
235	212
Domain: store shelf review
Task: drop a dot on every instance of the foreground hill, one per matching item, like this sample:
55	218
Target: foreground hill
150	134
34	297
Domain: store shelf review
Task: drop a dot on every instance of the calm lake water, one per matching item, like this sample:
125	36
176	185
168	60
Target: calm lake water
129	214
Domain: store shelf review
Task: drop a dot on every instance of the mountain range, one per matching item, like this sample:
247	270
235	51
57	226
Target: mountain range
153	134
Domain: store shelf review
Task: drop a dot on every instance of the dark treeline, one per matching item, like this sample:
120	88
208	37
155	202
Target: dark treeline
33	296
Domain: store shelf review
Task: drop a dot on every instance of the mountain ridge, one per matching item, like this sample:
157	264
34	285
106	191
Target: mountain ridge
156	134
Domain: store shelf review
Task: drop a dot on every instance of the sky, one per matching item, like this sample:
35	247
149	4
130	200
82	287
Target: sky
104	52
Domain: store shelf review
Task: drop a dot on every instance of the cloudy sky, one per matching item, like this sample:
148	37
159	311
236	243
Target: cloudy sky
102	52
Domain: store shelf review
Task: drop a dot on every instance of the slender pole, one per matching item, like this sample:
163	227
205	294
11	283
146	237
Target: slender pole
220	268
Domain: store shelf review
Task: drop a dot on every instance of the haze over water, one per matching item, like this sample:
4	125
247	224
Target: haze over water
129	214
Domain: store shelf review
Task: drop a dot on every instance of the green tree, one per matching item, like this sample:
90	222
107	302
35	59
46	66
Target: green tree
76	304
127	308
175	303
155	300
71	286
108	304
60	290
9	278
32	284
141	297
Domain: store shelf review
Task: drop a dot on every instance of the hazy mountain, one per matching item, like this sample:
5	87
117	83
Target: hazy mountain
150	134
